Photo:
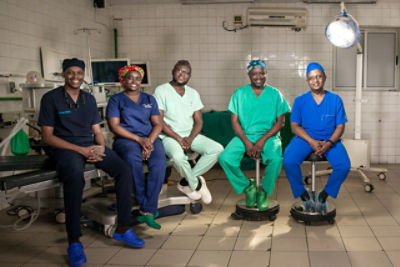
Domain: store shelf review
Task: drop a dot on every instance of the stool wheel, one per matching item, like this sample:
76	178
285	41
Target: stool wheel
195	208
272	218
368	187
382	176
307	180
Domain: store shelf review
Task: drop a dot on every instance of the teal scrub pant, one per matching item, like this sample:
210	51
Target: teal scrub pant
271	157
207	148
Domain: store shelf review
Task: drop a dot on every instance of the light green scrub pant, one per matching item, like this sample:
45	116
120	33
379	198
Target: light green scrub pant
207	148
271	157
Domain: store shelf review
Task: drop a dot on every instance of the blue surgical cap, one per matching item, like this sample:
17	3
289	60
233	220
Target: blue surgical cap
314	66
256	64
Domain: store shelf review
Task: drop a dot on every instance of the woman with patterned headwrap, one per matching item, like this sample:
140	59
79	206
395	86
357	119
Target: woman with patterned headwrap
135	119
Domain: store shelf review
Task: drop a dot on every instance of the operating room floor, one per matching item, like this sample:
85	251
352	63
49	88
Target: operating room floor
366	233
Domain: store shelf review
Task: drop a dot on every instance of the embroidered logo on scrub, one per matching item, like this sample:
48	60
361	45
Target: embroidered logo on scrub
147	105
64	112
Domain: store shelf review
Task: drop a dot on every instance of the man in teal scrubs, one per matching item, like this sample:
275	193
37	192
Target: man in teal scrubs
180	108
257	114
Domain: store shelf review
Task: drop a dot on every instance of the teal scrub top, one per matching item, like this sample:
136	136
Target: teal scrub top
257	115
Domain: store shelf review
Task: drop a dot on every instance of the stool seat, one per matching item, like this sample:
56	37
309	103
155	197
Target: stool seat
314	157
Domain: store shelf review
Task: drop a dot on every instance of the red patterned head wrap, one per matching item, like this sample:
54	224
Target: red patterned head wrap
124	70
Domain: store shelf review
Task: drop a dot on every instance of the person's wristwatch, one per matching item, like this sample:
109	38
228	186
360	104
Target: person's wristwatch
330	141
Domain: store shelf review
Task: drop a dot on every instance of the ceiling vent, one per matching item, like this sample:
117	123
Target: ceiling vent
277	17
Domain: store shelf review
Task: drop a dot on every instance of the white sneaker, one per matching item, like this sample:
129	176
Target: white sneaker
192	194
205	193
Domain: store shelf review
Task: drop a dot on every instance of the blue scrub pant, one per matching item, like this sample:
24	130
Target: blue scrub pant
299	149
70	168
146	192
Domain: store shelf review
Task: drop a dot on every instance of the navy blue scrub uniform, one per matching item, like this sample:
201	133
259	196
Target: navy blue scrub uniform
135	117
72	122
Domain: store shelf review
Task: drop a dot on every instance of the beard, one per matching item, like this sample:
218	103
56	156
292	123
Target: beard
179	83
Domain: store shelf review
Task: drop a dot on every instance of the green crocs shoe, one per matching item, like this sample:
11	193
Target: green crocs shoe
250	193
141	218
262	201
148	218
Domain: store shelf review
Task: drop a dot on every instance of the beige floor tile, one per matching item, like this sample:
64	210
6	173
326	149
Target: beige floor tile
253	243
217	243
114	265
291	230
40	265
223	230
132	256
288	244
199	229
381	220
329	259
390	243
394	257
351	220
361	244
324	230
289	258
369	259
171	257
389	231
250	228
325	244
182	242
54	255
100	255
22	253
249	258
355	231
210	258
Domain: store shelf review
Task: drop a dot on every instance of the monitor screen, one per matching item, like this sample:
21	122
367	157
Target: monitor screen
105	71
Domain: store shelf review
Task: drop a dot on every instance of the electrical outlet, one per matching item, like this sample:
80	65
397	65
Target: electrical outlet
238	20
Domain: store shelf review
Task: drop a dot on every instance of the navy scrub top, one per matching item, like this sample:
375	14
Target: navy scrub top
319	121
71	122
134	117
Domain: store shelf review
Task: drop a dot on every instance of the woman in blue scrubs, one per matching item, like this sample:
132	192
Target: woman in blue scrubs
318	120
135	119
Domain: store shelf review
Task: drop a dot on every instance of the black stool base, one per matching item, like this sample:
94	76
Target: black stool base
253	214
298	213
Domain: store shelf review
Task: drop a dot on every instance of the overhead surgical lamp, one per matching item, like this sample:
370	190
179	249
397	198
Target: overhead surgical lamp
343	31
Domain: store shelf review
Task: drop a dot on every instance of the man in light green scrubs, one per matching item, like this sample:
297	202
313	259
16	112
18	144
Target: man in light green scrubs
180	107
257	115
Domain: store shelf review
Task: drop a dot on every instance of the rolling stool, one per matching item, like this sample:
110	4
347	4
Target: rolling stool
254	214
297	211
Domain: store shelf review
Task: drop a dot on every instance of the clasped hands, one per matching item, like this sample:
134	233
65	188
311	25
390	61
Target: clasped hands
320	147
147	147
254	150
94	153
185	143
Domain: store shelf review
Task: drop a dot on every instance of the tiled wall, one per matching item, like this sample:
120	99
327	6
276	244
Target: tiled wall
163	34
27	25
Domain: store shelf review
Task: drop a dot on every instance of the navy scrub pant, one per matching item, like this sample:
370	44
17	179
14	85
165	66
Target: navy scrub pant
70	169
146	192
299	149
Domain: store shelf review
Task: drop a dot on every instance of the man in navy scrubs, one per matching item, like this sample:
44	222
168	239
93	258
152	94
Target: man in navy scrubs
318	120
69	120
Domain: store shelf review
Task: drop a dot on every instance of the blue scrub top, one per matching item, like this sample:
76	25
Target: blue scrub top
134	117
319	121
71	122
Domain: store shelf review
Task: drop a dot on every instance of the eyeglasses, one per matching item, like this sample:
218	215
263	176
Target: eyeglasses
183	71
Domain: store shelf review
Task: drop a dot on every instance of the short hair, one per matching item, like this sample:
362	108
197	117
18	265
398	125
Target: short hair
183	62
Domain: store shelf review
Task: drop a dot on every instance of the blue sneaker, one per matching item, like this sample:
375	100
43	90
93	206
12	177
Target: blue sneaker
309	205
76	255
129	238
320	206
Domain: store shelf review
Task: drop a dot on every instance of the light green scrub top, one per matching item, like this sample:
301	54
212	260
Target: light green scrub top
178	110
257	115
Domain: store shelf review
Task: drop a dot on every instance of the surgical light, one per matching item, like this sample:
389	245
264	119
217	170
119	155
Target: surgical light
343	31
